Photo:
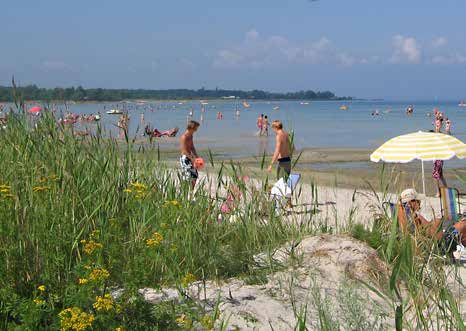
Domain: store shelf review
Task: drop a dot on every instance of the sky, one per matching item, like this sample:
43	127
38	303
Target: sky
363	48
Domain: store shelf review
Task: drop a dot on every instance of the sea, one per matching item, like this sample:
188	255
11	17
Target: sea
319	124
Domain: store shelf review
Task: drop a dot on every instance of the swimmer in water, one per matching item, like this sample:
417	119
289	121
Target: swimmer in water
447	126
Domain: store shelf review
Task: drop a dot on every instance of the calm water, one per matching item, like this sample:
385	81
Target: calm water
319	124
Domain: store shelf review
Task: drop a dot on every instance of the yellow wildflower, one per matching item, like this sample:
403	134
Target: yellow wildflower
40	188
119	329
156	239
127	190
173	203
83	281
41	288
138	186
103	303
75	319
4	190
98	275
11	196
208	322
87	267
5	187
38	302
188	279
90	246
184	322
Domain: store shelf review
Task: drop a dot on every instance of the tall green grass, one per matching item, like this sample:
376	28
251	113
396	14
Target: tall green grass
64	195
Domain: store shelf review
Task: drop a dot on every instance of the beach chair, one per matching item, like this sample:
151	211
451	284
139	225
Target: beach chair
450	204
281	192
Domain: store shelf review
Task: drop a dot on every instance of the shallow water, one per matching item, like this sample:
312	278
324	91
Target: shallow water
319	124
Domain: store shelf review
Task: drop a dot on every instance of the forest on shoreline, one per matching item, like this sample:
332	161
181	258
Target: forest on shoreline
80	94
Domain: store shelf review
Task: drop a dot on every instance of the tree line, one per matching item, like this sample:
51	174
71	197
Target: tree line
35	93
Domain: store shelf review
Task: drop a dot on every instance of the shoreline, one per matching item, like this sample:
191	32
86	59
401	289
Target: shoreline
348	168
185	100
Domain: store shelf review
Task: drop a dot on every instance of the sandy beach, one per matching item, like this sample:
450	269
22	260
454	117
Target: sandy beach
328	167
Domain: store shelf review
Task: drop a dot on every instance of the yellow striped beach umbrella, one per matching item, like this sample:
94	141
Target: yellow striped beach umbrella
424	146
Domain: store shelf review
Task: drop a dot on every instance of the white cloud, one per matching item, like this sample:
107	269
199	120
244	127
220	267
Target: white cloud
439	42
258	52
348	60
405	50
448	59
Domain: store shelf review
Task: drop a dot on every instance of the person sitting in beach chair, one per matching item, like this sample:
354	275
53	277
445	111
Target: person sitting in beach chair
447	236
400	210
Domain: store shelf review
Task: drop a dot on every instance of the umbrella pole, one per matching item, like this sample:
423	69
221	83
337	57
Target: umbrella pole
423	179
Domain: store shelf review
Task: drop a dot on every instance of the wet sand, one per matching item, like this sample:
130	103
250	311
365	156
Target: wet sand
333	167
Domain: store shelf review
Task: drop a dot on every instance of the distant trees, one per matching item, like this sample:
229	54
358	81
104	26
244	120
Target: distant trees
33	92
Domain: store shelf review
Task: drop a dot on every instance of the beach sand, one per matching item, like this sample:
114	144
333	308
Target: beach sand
328	167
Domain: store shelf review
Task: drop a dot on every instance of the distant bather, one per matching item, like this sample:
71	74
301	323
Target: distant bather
156	133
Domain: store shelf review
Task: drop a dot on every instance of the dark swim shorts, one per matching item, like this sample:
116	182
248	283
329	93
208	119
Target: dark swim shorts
187	168
284	164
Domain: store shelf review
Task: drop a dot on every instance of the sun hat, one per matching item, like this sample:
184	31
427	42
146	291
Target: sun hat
410	194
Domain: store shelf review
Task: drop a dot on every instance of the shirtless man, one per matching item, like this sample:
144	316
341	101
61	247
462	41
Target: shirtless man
259	123
189	153
282	152
265	125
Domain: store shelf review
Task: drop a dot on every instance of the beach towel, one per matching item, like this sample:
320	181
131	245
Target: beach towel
280	189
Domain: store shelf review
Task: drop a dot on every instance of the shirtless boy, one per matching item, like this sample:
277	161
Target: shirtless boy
265	125
189	153
282	152
259	123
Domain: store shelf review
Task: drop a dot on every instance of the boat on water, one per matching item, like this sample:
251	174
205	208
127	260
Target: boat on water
344	107
276	108
204	103
114	112
246	105
462	104
304	103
